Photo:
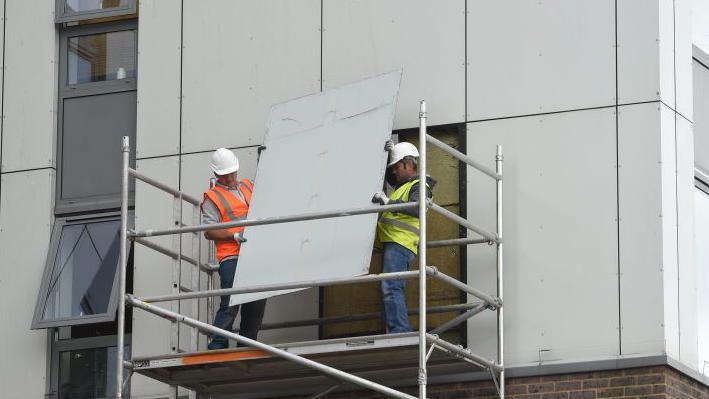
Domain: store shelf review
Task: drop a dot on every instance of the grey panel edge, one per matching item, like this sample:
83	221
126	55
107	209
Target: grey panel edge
700	55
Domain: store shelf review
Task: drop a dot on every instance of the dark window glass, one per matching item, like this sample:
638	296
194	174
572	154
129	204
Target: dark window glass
88	373
93	127
101	57
84	270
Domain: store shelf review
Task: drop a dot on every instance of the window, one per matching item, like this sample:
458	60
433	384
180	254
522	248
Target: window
101	57
77	10
701	111
85	368
97	107
80	284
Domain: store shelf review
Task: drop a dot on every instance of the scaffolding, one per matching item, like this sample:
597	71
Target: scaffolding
301	354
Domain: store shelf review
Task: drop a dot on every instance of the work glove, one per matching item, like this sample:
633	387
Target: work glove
380	198
239	237
388	145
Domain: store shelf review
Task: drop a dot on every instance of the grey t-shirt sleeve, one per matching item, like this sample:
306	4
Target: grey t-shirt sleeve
210	212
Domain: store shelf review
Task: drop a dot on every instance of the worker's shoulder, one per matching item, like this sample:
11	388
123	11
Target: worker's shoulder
430	181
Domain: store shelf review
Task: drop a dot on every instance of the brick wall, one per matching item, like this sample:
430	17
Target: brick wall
660	382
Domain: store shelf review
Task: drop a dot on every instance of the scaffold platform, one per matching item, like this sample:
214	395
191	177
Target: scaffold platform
247	372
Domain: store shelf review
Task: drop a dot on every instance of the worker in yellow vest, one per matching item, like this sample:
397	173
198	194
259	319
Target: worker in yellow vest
398	232
227	201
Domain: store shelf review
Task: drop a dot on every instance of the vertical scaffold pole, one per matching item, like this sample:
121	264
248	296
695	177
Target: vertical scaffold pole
211	259
422	251
176	282
500	281
123	260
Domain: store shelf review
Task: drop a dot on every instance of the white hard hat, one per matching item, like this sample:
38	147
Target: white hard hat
401	151
224	162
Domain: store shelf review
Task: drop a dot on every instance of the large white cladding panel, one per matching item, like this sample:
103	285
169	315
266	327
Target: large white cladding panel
561	285
529	56
683	58
701	117
702	255
427	38
687	272
30	87
669	230
313	136
299	306
152	273
640	227
240	57
25	226
638	51
159	46
666	41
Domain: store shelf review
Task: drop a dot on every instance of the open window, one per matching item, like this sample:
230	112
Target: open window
80	284
79	10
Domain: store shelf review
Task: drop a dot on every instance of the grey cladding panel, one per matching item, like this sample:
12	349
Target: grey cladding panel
92	131
323	152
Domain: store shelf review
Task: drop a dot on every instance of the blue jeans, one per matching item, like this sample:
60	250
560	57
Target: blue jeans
397	258
251	313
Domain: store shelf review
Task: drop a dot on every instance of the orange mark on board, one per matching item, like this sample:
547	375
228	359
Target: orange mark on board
224	357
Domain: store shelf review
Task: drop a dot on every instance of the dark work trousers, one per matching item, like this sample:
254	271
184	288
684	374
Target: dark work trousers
251	313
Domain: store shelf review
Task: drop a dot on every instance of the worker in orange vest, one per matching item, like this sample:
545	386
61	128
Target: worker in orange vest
228	201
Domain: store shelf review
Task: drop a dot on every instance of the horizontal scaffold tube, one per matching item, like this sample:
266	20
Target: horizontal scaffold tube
462	157
333	372
462	352
489	299
463	222
174	255
365	316
175	192
457	242
278	219
286	286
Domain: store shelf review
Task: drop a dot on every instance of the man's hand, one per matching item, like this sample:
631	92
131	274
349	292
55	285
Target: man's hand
380	198
388	145
239	237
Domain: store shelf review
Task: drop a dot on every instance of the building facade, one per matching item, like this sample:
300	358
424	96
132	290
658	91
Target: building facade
601	106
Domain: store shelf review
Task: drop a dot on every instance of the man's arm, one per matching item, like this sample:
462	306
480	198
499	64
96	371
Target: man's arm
211	215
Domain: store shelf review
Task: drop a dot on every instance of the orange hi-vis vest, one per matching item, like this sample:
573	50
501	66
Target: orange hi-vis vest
231	208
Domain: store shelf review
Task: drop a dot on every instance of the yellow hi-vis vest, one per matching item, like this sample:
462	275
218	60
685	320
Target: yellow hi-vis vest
399	227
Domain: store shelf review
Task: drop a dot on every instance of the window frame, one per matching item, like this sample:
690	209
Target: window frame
702	58
86	89
58	346
66	91
61	16
109	315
